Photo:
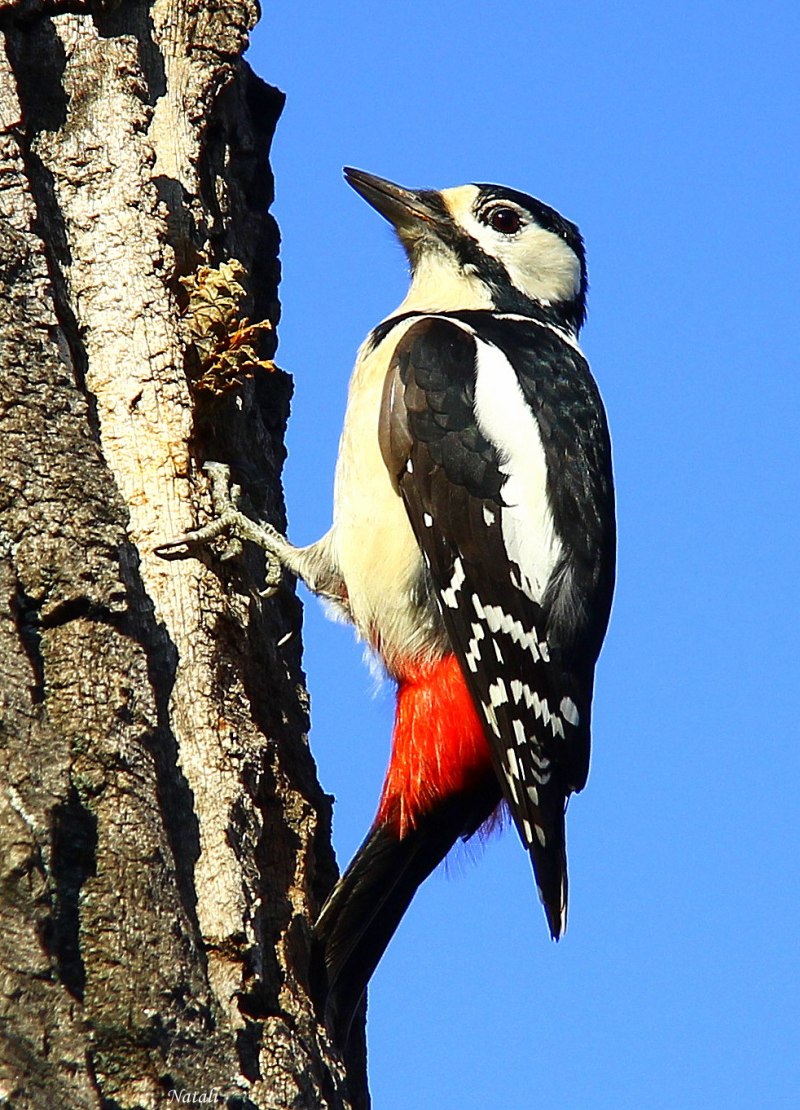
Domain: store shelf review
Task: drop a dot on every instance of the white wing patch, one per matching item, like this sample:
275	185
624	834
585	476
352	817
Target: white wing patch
474	650
569	711
504	418
499	621
450	595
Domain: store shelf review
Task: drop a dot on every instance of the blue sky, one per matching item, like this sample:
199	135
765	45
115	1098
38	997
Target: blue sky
669	134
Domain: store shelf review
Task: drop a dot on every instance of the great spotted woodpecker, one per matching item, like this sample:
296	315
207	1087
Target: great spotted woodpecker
472	546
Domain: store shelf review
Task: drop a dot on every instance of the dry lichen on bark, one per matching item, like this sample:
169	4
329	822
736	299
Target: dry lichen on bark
226	345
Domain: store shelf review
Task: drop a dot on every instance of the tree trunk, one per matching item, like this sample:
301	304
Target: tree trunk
164	843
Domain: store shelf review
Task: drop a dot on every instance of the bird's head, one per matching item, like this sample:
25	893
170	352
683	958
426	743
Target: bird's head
483	246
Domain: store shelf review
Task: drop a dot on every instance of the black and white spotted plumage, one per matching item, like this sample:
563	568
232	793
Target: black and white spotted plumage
472	538
513	510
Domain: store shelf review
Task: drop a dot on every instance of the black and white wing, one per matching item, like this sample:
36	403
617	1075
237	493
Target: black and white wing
495	435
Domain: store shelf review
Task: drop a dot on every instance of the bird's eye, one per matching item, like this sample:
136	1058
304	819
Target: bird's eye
505	220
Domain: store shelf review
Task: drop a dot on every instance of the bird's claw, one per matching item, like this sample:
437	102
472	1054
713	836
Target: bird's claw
229	521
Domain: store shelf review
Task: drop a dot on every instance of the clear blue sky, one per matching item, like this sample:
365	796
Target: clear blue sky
669	133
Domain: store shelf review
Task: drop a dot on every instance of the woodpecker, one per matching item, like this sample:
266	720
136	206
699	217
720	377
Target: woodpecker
473	548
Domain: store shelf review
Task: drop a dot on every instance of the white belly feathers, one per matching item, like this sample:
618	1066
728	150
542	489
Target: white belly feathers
373	541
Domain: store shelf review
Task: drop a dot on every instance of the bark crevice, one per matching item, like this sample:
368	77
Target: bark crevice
73	860
38	62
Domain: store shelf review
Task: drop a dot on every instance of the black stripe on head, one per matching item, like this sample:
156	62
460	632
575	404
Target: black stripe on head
545	216
468	253
471	255
505	295
550	220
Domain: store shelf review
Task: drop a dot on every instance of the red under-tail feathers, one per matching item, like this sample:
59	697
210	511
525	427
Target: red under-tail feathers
438	747
439	786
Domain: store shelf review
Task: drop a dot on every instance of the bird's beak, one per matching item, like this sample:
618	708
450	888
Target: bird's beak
403	208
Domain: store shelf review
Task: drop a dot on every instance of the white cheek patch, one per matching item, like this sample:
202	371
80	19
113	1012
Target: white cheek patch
539	263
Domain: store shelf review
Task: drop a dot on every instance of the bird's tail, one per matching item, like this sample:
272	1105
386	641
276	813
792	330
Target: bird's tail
366	905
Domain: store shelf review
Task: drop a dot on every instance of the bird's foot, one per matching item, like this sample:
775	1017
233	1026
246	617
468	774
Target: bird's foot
229	521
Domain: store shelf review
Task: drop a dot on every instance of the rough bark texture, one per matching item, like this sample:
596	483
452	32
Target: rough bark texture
164	842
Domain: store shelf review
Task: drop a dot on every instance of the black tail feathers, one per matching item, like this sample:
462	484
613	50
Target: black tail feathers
366	905
550	870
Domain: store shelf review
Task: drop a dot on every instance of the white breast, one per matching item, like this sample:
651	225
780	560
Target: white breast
373	542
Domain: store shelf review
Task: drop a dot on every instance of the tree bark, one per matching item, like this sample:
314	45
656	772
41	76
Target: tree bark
164	842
